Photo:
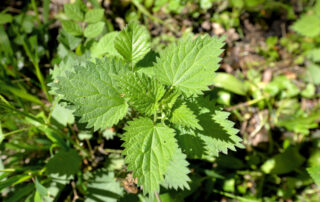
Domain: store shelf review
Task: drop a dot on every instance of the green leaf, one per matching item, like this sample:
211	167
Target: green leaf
21	193
64	163
284	162
109	133
307	25
1	135
66	65
94	15
92	91
5	18
37	197
71	27
184	116
40	188
42	191
149	149
170	99
189	65
312	74
105	46
143	92
301	123
309	91
314	54
69	40
73	12
14	180
217	135
94	30
230	83
133	43
62	114
102	186
177	173
314	172
85	135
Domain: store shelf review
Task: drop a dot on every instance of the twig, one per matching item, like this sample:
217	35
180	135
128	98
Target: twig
246	104
157	196
75	194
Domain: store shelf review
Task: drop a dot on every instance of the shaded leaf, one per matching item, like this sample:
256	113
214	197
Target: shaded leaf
102	186
184	116
177	173
284	162
64	163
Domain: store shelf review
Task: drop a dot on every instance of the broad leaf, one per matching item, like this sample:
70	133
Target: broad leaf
5	18
94	15
94	30
312	74
66	65
71	27
301	123
149	149
133	43
230	83
102	186
184	116
283	163
62	114
189	65
307	25
69	40
92	91
314	54
41	190
314	172
177	173
105	46
64	163
73	12
142	91
217	135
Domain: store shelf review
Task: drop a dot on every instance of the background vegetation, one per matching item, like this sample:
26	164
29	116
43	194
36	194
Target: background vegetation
269	81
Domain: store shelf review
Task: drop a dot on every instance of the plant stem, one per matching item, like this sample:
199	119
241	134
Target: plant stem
117	151
157	196
35	9
246	104
52	108
35	63
16	131
146	12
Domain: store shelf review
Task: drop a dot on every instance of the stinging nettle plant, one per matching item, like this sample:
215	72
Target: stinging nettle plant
160	96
